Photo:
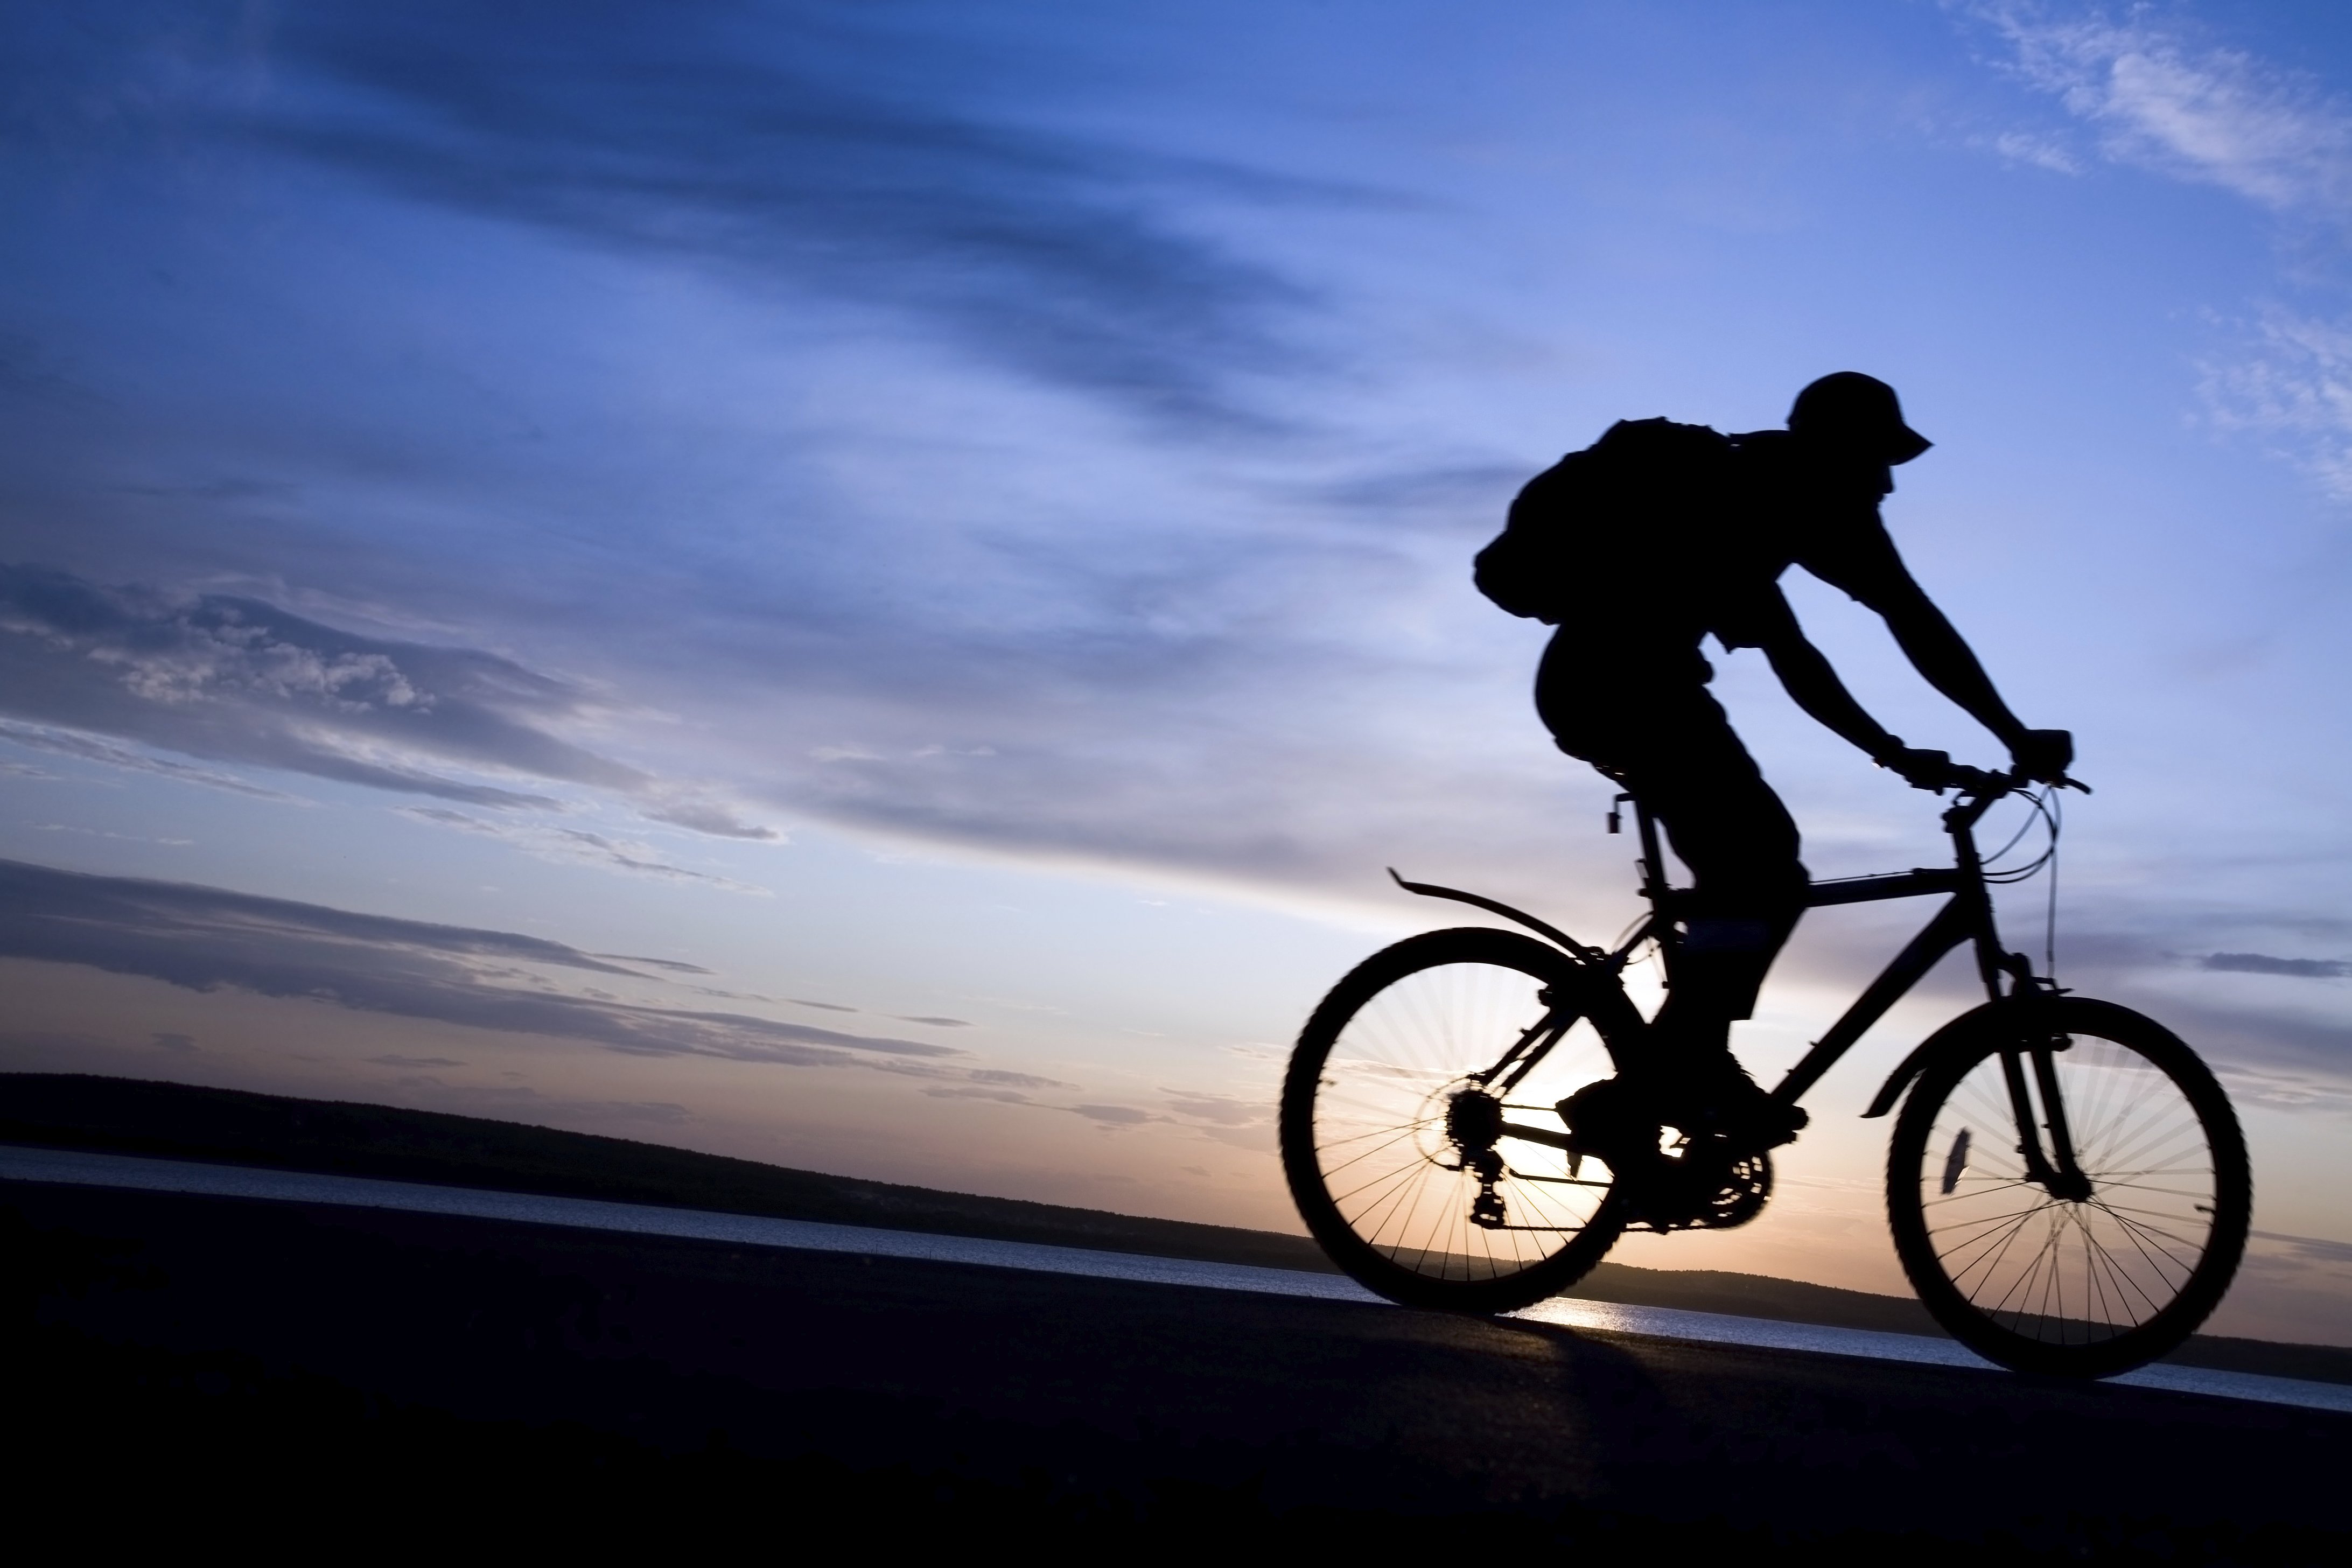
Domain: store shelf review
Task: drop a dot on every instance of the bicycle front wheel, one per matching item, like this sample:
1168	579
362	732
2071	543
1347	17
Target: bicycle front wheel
2079	1279
1403	1112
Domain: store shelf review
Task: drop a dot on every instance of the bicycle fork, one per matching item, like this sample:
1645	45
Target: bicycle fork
2056	1171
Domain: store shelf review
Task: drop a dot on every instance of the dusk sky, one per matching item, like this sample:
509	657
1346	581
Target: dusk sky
873	585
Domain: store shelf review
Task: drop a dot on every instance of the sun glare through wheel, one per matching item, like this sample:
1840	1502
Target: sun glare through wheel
1408	1141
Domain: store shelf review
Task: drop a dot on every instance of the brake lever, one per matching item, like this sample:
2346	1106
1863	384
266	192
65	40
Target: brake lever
2062	781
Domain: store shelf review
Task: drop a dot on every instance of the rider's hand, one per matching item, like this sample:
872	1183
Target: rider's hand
1920	770
2043	755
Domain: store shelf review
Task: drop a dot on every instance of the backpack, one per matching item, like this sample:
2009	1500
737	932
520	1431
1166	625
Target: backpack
1580	526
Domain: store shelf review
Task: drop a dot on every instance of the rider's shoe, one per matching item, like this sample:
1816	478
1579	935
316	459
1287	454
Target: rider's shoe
1614	1119
1711	1093
1705	1094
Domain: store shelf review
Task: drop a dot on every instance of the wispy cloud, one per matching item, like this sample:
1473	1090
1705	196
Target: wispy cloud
206	938
2157	95
1218	1110
819	151
2040	151
705	816
669	964
240	680
2264	963
1003	1087
577	846
2157	98
97	749
2289	379
1116	1115
2285	1089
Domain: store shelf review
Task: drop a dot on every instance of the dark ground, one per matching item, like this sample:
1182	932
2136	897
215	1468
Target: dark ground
283	1378
279	1131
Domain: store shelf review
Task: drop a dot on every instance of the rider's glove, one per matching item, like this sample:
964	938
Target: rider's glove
1920	770
2042	755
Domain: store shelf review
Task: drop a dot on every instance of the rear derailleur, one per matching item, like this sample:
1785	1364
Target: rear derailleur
1474	1122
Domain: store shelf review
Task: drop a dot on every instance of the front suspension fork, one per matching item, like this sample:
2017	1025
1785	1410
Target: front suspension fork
2057	1171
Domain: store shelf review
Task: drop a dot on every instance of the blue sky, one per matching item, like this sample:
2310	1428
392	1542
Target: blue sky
947	527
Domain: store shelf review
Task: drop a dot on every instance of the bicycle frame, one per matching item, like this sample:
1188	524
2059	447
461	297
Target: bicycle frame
1966	917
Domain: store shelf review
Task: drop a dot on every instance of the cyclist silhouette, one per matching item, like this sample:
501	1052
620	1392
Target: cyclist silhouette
1416	1127
1707	560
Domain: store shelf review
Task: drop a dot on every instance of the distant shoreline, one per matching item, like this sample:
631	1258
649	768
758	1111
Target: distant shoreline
344	1138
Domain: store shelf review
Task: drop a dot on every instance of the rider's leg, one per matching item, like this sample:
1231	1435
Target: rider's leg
1748	886
1748	889
1676	751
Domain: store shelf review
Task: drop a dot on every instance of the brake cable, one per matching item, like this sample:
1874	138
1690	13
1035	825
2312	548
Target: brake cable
2051	812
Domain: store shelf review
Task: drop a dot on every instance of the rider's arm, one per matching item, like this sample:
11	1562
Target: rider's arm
1811	681
1867	567
1938	651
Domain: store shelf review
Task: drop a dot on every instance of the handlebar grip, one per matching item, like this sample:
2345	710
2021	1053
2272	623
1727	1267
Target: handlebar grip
1978	781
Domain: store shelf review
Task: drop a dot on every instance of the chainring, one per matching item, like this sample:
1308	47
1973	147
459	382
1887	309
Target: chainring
1741	1197
1707	1188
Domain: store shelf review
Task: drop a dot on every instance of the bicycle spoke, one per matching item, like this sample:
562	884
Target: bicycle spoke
1383	1129
2143	1234
1399	1185
2047	1282
1404	1135
2096	1252
1970	1195
2008	1238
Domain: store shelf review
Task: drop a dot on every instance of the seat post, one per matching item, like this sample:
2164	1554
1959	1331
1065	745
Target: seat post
1655	887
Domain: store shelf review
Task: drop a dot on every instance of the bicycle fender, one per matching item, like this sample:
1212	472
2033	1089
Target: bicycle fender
1549	932
1911	1066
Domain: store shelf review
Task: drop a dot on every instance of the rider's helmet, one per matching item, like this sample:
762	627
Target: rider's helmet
1859	413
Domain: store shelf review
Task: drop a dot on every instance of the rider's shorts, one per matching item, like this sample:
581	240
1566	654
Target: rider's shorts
1671	744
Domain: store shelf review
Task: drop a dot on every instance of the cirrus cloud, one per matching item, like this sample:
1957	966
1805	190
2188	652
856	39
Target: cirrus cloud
2164	99
239	680
204	939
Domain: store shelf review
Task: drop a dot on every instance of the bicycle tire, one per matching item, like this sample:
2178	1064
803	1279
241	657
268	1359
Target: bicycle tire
1364	1109
2041	1284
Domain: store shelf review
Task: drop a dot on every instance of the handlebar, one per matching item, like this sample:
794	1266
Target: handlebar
1986	786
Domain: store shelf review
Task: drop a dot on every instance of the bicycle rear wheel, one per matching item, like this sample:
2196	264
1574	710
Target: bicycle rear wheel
1396	1124
2111	1276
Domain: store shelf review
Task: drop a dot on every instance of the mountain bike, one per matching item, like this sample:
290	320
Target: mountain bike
2067	1184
